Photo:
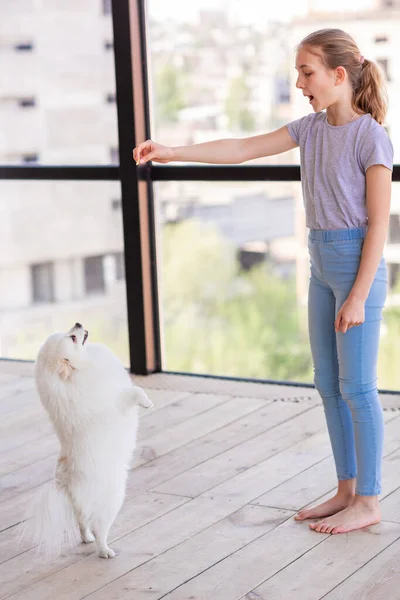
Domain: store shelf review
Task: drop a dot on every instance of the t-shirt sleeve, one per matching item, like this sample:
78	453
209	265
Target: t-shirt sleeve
299	127
294	128
377	149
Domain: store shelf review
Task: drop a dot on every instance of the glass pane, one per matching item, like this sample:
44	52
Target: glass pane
234	272
226	69
389	355
57	100
61	256
232	300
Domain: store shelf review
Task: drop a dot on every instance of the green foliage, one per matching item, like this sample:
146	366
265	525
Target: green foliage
170	93
220	321
389	351
236	106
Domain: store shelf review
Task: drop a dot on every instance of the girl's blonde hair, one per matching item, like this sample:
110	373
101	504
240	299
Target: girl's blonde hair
338	49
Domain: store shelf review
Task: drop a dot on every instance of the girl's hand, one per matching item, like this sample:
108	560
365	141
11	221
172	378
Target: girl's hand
351	314
149	150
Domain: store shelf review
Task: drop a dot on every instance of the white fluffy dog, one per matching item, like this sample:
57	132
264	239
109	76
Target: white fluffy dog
92	404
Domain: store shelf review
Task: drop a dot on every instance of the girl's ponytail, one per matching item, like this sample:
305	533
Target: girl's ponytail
370	95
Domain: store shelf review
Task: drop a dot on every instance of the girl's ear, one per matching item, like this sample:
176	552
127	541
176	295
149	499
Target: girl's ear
64	369
340	75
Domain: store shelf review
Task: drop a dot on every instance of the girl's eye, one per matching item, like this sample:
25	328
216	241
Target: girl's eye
307	74
73	338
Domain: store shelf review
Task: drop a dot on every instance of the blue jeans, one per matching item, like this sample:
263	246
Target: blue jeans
345	363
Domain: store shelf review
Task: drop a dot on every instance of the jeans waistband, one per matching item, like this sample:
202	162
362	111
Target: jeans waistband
331	235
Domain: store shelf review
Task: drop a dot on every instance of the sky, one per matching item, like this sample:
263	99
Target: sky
248	11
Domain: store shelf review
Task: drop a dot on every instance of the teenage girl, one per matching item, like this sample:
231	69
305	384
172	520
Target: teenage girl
346	164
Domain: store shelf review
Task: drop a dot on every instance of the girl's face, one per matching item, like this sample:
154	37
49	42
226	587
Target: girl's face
317	82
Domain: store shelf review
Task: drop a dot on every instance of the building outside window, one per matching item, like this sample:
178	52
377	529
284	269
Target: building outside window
42	277
94	275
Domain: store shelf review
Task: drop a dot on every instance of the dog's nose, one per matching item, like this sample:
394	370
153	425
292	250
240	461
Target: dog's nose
78	326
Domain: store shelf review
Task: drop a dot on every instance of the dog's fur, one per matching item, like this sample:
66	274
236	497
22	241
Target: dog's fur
92	404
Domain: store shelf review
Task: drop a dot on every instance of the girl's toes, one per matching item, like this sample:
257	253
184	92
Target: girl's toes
300	516
329	529
320	527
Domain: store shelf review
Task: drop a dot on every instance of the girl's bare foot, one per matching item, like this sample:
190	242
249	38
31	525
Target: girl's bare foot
343	498
363	512
330	507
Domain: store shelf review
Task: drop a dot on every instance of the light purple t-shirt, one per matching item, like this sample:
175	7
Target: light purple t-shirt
334	161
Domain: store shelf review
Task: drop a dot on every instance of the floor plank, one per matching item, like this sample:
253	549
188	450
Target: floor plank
240	458
320	478
228	434
378	579
314	574
170	569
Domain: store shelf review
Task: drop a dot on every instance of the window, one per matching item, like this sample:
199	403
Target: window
42	277
227	250
394	229
45	244
24	47
282	90
78	74
394	272
26	102
30	158
107	7
384	64
114	155
94	275
119	266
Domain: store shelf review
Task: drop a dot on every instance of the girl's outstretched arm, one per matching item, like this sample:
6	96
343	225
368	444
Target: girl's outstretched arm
222	152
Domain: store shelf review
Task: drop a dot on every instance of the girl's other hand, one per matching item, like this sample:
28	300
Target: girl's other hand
150	150
351	314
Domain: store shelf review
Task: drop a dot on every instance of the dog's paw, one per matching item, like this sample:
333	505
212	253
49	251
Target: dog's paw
143	399
87	537
106	553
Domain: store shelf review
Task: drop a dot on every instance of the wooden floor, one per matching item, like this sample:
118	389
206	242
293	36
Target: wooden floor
221	467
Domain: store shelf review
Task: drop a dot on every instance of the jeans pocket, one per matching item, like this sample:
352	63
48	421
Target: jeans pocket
348	248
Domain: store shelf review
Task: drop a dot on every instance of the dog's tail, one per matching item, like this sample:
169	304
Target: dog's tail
50	521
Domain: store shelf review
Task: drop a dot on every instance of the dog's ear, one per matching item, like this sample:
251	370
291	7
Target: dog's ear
64	369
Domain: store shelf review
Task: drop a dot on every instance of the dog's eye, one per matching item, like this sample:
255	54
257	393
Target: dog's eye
73	338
